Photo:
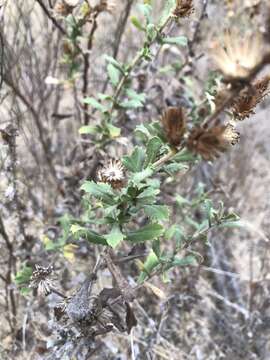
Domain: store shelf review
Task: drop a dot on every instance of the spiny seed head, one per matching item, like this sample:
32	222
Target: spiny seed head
238	55
244	106
174	124
40	280
209	143
184	8
112	173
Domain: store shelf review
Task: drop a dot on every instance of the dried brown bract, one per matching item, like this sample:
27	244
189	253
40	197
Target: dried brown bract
209	143
245	104
238	55
174	124
112	173
184	8
41	280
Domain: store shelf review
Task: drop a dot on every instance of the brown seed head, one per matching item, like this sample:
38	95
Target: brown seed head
184	8
174	124
112	173
209	143
245	104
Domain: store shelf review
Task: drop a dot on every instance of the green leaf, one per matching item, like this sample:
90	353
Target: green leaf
184	155
94	237
88	129
131	104
134	162
146	9
114	131
174	168
115	237
152	150
150	264
150	191
188	260
157	212
115	63
114	74
178	40
168	8
23	276
141	129
94	103
99	190
148	232
138	177
137	23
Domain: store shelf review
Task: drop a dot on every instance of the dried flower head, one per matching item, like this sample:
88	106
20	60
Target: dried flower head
112	173
174	124
41	281
244	106
65	7
238	56
209	143
183	8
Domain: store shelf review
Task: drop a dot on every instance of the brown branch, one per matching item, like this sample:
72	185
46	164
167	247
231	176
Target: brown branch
56	24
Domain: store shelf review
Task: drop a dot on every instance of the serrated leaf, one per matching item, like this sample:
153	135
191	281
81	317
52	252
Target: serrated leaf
157	212
115	237
134	162
148	232
152	150
131	104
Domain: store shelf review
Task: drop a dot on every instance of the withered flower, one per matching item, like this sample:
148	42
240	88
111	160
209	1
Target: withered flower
244	106
239	55
112	173
65	7
209	143
184	8
41	281
174	124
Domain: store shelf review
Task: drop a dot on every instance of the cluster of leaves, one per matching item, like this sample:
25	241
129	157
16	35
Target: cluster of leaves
135	213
